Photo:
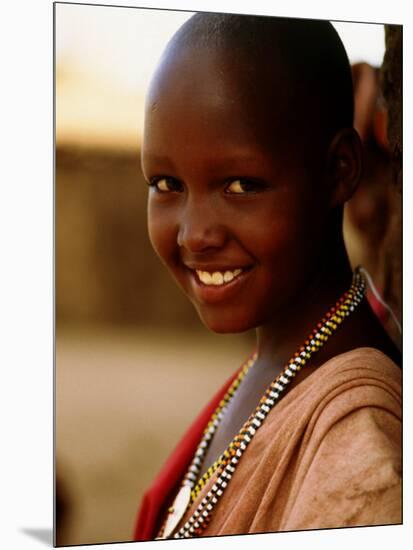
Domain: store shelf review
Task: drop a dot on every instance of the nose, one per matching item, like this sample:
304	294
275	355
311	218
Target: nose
201	228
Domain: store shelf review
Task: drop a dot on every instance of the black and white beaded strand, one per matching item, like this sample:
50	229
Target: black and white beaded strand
230	458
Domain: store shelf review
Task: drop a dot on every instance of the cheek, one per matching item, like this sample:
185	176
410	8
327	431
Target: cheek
291	238
162	233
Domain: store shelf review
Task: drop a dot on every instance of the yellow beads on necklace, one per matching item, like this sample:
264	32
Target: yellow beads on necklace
226	464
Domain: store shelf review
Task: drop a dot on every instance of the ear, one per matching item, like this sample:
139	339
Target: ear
344	165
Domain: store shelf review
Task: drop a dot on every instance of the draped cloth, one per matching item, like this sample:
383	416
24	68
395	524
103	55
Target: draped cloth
327	455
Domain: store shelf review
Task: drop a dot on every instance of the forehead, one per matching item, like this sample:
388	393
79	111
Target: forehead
219	94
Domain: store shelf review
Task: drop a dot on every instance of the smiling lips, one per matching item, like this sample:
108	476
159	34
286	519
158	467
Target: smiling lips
218	278
218	285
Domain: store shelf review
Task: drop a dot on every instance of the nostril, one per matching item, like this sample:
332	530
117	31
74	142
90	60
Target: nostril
201	238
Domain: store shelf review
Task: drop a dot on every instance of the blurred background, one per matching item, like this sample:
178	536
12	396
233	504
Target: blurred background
129	346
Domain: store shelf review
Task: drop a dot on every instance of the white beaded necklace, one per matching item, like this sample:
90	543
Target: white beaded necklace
227	462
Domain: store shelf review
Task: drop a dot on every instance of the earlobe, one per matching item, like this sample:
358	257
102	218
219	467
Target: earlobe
344	165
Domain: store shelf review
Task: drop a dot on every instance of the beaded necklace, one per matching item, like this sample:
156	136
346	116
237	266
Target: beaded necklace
226	464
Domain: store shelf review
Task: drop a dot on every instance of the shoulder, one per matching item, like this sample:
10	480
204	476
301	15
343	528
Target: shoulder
354	380
360	390
363	362
349	384
359	409
350	453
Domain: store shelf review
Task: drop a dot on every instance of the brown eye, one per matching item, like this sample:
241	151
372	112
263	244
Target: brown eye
243	186
166	185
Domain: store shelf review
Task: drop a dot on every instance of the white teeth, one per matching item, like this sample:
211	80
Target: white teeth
205	277
217	278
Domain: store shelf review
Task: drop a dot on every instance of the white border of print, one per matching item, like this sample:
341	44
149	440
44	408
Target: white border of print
26	274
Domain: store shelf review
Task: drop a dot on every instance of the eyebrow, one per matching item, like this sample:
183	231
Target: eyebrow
246	157
155	156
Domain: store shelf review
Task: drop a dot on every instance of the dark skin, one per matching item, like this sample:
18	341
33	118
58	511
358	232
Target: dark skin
237	184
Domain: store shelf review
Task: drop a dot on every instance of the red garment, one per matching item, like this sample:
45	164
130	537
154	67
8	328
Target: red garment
165	485
378	308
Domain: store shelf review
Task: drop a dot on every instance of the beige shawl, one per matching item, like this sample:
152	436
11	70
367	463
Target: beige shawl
328	454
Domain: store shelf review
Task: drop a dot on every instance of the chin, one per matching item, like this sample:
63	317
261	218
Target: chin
226	324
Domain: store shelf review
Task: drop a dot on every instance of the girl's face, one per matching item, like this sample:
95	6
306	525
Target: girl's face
236	209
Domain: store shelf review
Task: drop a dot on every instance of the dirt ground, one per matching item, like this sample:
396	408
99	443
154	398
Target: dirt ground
123	398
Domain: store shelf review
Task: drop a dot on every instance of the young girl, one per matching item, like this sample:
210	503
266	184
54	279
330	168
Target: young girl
250	154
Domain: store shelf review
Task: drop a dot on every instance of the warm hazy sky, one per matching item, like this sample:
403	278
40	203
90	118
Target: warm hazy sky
105	56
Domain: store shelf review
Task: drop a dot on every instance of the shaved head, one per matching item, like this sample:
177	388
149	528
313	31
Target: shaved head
303	61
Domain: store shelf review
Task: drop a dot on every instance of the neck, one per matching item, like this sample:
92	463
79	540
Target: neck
278	339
